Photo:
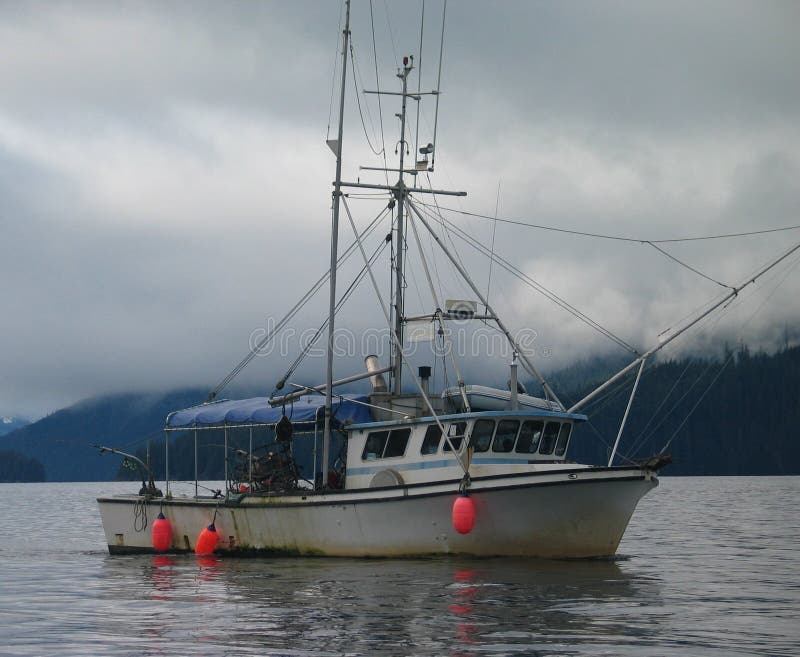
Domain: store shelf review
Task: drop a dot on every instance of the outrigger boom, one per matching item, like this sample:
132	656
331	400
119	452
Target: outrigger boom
733	293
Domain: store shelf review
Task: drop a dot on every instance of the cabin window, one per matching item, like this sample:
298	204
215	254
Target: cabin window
529	436
482	435
505	435
396	445
383	444
376	443
430	444
563	439
455	433
549	437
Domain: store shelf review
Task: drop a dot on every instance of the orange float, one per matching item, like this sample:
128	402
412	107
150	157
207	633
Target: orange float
463	514
207	541
162	533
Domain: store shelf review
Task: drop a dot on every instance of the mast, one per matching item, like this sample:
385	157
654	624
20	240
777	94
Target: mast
400	195
337	194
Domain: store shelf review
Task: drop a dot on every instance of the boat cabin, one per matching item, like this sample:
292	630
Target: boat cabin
415	451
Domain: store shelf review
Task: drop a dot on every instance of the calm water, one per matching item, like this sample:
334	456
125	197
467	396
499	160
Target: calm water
709	566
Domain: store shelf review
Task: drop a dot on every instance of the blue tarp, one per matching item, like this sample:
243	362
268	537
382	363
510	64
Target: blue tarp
257	410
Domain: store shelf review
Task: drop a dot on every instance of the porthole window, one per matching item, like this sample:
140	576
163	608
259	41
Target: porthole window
505	436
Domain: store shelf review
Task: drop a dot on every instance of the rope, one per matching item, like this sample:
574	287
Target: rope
140	515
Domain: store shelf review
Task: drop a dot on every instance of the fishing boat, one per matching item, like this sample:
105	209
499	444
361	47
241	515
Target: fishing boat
403	471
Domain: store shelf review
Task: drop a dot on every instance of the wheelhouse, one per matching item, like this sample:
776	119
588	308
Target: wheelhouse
417	451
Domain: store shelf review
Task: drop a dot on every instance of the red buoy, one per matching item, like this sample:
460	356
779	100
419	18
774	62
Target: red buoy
207	541
162	533
463	514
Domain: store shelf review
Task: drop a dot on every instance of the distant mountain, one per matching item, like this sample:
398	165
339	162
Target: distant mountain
62	442
736	416
9	423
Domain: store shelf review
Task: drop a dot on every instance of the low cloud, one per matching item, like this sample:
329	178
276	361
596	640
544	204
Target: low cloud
165	185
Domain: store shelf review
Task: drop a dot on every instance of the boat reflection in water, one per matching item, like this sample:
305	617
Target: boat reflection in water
458	607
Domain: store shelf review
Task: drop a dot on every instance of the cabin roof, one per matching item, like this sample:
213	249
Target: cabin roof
522	414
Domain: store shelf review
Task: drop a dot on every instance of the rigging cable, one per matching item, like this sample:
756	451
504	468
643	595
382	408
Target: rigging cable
689	267
378	87
641	439
494	233
789	270
438	88
419	80
335	68
401	352
445	339
698	402
525	278
644	434
618	238
343	299
269	335
391	33
447	233
357	74
716	319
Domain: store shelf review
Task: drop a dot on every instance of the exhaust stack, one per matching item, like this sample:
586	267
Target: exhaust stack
424	377
378	382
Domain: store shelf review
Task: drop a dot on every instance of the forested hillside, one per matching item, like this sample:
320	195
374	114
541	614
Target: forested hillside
14	467
739	415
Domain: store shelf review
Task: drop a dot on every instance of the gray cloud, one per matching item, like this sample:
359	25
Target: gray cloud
165	187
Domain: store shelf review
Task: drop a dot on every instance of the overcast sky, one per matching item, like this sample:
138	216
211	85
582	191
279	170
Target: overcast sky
165	183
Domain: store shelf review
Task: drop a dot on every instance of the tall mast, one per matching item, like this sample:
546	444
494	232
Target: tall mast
400	197
337	194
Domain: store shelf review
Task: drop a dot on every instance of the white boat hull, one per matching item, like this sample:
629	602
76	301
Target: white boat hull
567	514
